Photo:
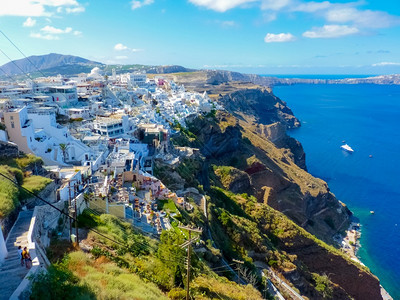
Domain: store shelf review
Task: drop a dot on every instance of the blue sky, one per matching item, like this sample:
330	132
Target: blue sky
254	36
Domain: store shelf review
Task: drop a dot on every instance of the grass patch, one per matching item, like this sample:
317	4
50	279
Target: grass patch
112	271
23	162
79	276
35	184
167	205
8	193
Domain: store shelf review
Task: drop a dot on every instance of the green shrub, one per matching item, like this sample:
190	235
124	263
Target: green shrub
34	184
88	220
59	283
323	285
177	294
8	193
28	160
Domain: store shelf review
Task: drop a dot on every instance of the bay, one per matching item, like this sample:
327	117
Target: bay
367	117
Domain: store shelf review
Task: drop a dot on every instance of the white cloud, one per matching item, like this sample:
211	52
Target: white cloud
120	47
227	24
52	30
330	31
348	13
279	38
385	64
35	8
58	2
274	4
221	5
312	6
29	22
362	18
135	4
44	36
269	17
52	33
22	8
75	10
121	57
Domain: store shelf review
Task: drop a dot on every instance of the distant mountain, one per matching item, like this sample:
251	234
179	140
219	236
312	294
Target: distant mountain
120	69
169	69
53	62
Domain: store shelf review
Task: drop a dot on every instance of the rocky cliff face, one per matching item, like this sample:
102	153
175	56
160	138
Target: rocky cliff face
274	177
350	280
220	76
260	104
246	150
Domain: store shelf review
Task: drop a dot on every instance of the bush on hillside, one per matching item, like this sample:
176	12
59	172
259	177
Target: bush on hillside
8	192
34	184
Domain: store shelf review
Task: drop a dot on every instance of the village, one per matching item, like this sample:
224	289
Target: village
98	137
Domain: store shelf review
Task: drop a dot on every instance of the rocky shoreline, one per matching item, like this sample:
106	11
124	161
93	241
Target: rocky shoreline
270	166
350	244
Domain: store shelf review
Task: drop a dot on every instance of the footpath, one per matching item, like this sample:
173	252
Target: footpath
11	271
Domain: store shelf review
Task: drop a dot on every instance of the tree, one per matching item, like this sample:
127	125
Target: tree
64	148
248	275
173	256
59	283
323	285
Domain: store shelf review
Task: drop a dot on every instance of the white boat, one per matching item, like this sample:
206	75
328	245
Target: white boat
347	148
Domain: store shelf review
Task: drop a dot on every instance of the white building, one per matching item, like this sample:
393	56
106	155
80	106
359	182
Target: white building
36	131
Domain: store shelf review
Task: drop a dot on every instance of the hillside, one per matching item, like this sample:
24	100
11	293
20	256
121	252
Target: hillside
134	266
50	64
248	180
263	206
274	164
19	169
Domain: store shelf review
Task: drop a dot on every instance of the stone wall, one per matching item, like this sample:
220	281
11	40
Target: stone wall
48	194
3	248
43	221
8	149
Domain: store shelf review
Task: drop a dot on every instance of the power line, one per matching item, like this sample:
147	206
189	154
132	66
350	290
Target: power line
5	73
222	267
14	63
56	208
21	52
188	244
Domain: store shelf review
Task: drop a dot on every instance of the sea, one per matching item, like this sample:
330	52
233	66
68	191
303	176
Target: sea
367	117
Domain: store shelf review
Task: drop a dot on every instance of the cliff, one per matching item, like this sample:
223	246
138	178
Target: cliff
249	180
209	78
265	208
275	178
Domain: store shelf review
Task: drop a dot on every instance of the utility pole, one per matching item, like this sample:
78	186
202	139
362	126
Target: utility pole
72	211
76	215
188	244
241	262
69	209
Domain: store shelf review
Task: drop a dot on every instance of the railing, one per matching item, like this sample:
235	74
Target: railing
35	245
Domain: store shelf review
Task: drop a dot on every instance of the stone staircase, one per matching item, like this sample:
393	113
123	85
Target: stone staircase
11	271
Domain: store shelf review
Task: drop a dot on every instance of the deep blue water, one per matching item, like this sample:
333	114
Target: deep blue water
367	117
317	76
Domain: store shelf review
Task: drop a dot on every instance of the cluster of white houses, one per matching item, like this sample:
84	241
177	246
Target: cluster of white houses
127	106
94	124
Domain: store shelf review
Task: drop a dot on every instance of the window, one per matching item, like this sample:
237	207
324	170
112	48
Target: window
12	125
11	117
